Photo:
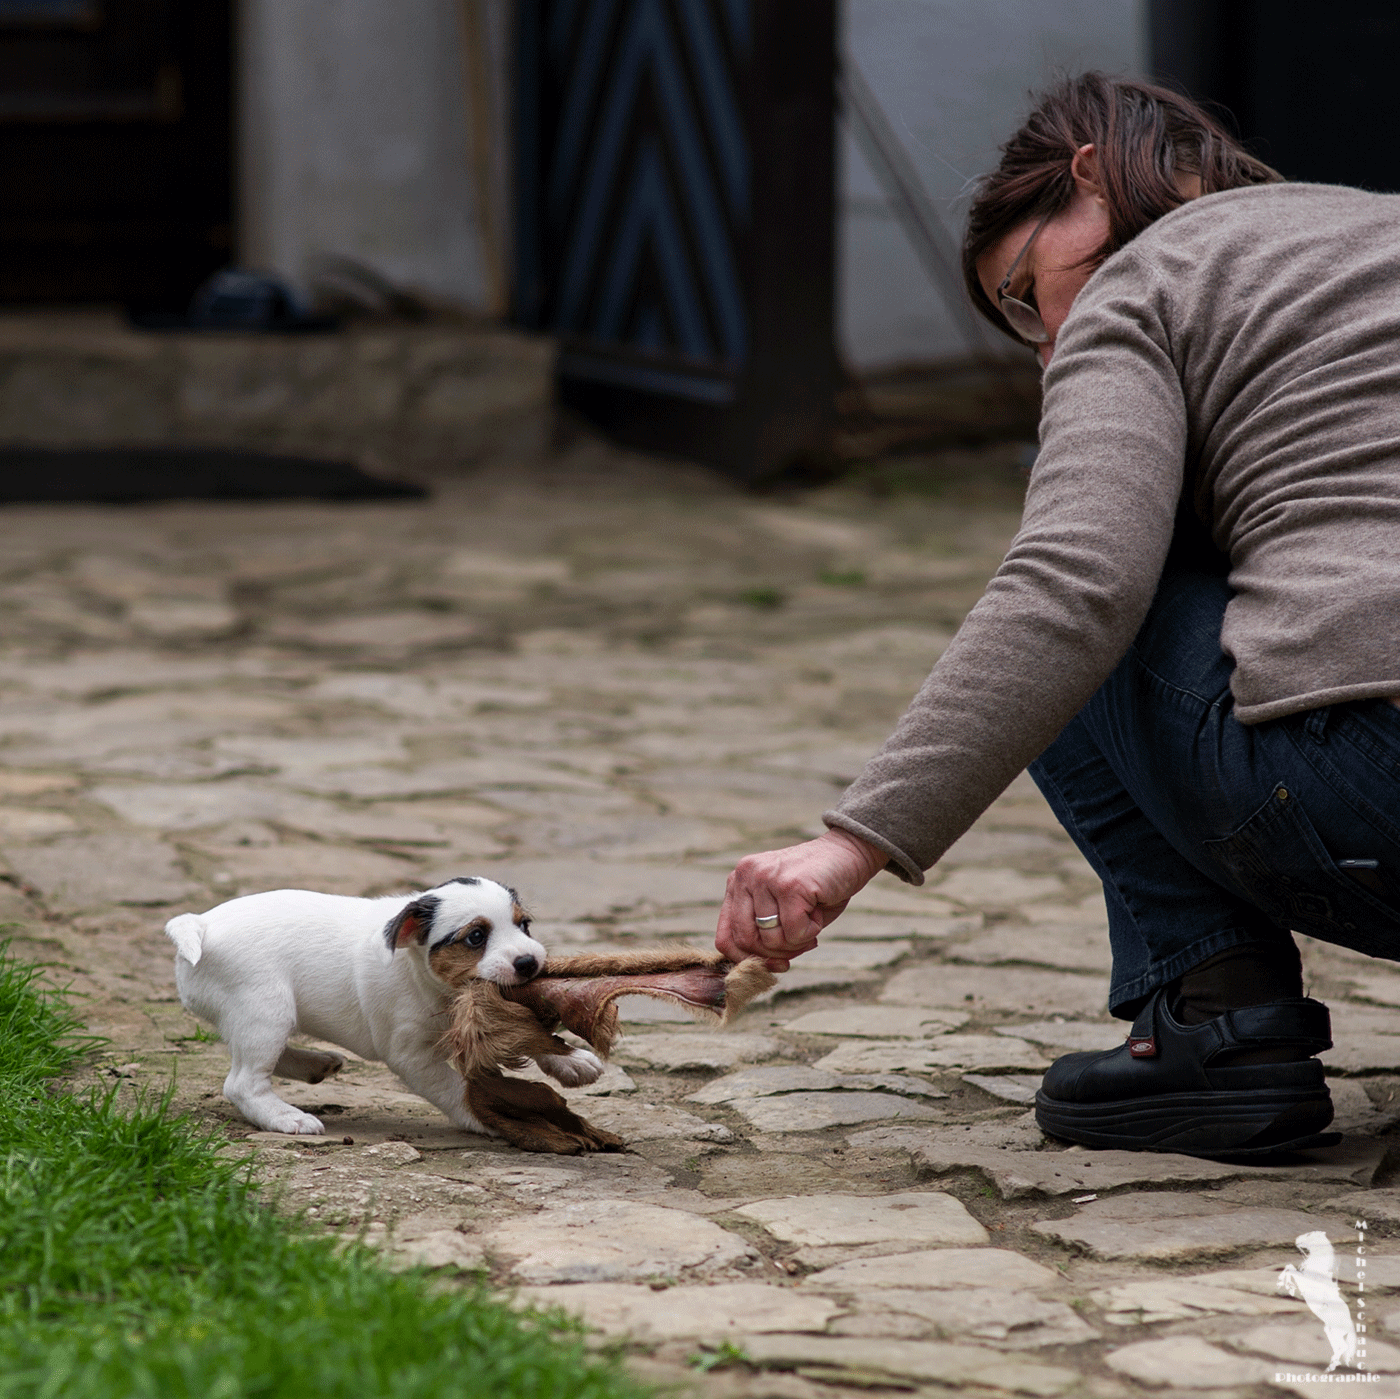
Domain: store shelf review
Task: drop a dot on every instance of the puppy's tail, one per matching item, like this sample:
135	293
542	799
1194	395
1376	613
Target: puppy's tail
187	933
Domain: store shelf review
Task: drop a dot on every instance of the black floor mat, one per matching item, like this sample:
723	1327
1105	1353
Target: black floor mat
128	474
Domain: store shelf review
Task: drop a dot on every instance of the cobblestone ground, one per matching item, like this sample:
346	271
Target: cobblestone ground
603	679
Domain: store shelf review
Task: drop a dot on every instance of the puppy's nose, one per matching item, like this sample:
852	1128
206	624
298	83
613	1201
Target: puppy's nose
527	966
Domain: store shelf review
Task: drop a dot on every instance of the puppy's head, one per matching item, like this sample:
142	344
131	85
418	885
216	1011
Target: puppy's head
469	928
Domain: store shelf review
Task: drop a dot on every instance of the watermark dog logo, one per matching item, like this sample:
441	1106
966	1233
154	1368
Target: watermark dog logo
1315	1283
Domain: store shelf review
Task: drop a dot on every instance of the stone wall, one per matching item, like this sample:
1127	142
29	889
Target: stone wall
417	398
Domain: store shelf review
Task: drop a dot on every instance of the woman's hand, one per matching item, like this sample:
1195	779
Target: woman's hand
806	885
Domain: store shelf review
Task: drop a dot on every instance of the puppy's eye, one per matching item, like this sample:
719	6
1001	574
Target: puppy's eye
476	937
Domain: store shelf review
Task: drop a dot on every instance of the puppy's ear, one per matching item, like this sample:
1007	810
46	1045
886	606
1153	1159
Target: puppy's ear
412	924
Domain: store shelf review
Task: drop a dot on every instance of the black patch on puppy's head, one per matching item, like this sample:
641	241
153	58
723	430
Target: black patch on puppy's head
465	879
412	923
473	935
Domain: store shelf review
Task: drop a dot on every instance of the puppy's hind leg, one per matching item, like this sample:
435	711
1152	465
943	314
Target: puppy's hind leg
256	1047
308	1065
441	1084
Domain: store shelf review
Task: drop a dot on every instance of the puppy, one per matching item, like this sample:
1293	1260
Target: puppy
372	975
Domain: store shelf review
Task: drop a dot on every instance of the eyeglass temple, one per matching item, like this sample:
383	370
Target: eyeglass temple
1016	262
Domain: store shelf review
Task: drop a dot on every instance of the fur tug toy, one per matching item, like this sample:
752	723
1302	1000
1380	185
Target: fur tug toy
502	1027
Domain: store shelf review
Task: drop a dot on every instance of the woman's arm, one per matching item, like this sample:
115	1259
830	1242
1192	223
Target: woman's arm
1057	617
1069	597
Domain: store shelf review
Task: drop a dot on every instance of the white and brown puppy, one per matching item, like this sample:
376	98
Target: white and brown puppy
372	975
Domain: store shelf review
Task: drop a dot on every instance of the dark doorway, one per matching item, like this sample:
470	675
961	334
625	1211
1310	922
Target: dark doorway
116	148
674	221
1312	87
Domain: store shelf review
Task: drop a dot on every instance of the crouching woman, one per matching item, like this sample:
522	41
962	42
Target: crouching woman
1194	639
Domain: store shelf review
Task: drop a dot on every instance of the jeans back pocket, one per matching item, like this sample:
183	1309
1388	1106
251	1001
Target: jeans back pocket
1277	860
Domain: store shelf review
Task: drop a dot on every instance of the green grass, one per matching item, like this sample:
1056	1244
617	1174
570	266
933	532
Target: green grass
135	1260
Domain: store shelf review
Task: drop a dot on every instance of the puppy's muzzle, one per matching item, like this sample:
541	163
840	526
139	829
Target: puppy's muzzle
526	966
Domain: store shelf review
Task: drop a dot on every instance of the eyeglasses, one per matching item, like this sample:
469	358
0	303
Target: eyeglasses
1021	316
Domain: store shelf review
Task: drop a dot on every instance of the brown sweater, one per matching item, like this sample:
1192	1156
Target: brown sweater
1247	346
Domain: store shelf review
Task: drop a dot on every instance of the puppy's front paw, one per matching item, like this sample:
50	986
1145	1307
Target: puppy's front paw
294	1122
574	1069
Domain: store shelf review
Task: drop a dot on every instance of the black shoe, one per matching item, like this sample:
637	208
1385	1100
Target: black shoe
1173	1087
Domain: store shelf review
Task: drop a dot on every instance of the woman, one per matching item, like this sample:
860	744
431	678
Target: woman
1194	637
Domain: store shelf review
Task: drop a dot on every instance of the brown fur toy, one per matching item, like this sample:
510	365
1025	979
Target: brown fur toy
502	1027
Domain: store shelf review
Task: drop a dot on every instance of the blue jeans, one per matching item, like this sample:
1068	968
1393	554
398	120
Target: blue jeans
1209	833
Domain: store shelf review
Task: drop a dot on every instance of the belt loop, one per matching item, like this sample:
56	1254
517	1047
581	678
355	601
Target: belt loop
1316	725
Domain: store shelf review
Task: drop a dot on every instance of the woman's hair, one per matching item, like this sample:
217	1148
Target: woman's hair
1145	138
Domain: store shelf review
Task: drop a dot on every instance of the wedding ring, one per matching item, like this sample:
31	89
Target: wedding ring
770	920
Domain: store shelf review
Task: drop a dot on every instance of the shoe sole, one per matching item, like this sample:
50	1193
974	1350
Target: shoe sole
1240	1124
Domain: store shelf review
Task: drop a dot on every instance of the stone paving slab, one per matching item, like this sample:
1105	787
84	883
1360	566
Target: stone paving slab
1362	1051
1179	1228
1371	1204
1303	1344
613	1241
988	1315
1067	946
331	869
809	980
983	846
444	778
1188	1358
924	1361
997	888
698	1050
568	889
29	824
854	956
936	1268
1179	1299
521	1180
888	895
1010	1088
953	1051
1020	1173
76	872
175	806
1383	988
880	926
1010	989
716	1313
1368	1106
1382	1276
815	1112
441	1249
907	1217
1068	1036
1017	1174
1012	1131
800	1078
1090	909
653	1122
877	1022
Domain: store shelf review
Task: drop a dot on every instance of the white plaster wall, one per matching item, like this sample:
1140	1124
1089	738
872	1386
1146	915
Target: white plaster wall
953	77
354	139
354	142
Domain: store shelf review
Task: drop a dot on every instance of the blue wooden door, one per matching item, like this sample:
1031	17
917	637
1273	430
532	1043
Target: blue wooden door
642	221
